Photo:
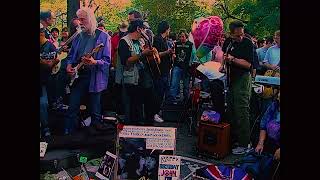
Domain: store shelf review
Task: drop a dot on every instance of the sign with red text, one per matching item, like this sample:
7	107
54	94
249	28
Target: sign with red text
169	167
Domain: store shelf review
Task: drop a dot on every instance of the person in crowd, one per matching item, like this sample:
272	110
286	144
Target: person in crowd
181	64
55	35
134	15
261	42
162	83
269	138
46	64
93	77
74	24
101	27
272	58
136	77
262	53
239	55
47	19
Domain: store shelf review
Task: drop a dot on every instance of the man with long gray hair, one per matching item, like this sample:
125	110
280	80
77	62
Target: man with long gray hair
93	77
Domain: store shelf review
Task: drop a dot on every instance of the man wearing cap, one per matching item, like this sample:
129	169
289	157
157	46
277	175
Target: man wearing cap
239	55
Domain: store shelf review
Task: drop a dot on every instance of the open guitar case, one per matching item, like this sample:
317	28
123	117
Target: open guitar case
65	150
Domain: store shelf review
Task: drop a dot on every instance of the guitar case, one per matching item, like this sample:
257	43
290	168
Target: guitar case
55	160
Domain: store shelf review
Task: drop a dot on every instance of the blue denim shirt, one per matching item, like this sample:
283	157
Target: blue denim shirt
100	71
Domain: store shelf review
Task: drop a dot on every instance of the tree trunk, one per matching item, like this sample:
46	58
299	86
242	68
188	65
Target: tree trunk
72	7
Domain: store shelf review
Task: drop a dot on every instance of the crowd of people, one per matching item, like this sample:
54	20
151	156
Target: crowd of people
125	60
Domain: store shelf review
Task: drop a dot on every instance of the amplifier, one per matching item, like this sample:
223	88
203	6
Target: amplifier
214	139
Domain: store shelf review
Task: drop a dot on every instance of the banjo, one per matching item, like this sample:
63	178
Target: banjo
62	55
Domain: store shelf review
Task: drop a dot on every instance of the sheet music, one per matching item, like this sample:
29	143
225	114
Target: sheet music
211	70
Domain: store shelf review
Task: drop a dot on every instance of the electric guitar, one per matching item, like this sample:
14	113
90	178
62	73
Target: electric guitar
62	55
80	65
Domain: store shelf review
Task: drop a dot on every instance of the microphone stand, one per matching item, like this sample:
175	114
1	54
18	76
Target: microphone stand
227	71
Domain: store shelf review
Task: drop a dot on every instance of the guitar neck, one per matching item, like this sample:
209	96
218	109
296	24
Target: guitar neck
68	41
87	55
79	66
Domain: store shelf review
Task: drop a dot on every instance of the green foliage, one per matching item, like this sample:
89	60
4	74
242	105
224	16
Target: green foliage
180	14
262	17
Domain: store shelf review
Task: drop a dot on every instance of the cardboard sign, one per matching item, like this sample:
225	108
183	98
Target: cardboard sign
139	150
169	167
43	148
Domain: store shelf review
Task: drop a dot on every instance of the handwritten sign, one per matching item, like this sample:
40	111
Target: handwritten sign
160	144
169	167
148	132
43	148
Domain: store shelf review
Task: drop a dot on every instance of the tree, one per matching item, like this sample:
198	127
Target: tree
73	6
179	13
261	17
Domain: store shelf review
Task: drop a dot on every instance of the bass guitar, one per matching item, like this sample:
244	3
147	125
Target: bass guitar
62	55
81	64
153	60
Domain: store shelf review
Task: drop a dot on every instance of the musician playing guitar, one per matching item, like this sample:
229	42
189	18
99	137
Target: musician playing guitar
137	90
47	18
93	77
46	65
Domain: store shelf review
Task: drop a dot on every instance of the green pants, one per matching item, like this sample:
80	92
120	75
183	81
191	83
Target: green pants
238	108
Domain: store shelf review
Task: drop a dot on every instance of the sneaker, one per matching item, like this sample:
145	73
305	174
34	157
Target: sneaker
239	150
158	119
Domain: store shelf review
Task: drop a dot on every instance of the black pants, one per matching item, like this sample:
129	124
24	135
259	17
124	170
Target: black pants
141	104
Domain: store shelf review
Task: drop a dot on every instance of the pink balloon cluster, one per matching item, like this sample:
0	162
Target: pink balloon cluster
207	31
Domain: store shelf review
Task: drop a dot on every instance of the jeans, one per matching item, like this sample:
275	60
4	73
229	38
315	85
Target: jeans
161	87
79	90
238	110
178	74
44	110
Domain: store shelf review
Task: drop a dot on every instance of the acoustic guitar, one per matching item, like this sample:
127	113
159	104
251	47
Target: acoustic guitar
62	55
153	60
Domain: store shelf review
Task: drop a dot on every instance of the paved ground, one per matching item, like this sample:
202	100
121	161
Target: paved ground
186	146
